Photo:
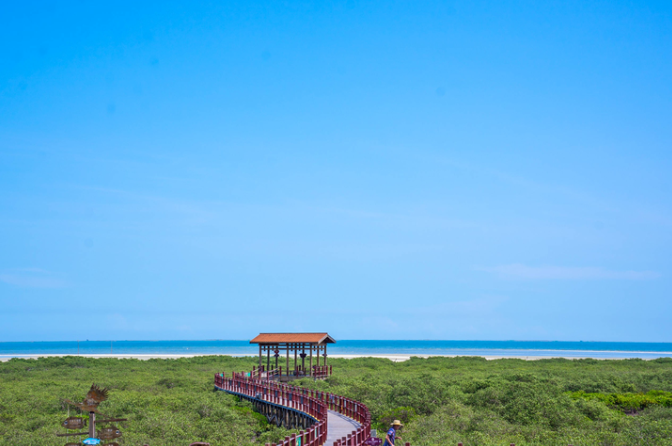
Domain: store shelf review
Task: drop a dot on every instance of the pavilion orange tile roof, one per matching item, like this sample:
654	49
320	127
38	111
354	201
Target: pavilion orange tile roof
283	338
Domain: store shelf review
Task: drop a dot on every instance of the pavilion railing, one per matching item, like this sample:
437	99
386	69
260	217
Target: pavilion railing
312	402
318	371
263	374
321	371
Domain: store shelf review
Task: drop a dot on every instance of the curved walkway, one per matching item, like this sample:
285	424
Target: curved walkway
339	426
339	421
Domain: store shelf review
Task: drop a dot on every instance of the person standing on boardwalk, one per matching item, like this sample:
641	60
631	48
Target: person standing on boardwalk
391	433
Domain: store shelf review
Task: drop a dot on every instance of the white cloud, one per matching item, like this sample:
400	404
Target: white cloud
31	278
520	271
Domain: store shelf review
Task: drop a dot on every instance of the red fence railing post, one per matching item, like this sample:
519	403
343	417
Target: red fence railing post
310	402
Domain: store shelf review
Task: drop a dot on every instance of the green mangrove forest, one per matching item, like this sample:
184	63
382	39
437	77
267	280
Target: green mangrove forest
442	401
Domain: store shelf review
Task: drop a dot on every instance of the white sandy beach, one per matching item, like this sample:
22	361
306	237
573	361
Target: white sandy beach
392	357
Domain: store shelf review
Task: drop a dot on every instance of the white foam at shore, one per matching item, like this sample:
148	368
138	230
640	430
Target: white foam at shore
392	357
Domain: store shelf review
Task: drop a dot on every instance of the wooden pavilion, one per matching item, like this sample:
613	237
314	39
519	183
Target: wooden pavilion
299	345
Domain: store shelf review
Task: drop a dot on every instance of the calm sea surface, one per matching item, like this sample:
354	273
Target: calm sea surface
471	348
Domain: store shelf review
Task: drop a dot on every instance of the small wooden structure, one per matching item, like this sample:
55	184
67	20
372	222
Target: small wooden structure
299	345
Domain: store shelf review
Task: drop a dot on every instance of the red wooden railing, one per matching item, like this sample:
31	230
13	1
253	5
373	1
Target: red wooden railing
260	373
312	402
318	371
321	371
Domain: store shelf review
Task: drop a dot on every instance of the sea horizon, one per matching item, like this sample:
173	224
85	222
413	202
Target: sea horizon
589	349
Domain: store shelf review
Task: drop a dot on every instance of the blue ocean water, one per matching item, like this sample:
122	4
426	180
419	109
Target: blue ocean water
644	350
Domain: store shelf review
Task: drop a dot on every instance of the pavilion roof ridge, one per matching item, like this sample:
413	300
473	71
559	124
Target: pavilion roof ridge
287	338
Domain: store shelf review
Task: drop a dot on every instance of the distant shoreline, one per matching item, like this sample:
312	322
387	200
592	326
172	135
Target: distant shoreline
395	357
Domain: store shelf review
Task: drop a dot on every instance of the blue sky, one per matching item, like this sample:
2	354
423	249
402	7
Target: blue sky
378	170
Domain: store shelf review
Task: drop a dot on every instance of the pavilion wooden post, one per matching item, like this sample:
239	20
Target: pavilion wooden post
279	342
303	358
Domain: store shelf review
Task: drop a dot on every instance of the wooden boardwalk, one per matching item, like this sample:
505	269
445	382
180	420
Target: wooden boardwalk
339	426
325	419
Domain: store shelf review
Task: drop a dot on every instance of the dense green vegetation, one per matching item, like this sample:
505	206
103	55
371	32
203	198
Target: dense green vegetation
441	400
628	402
167	402
479	402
